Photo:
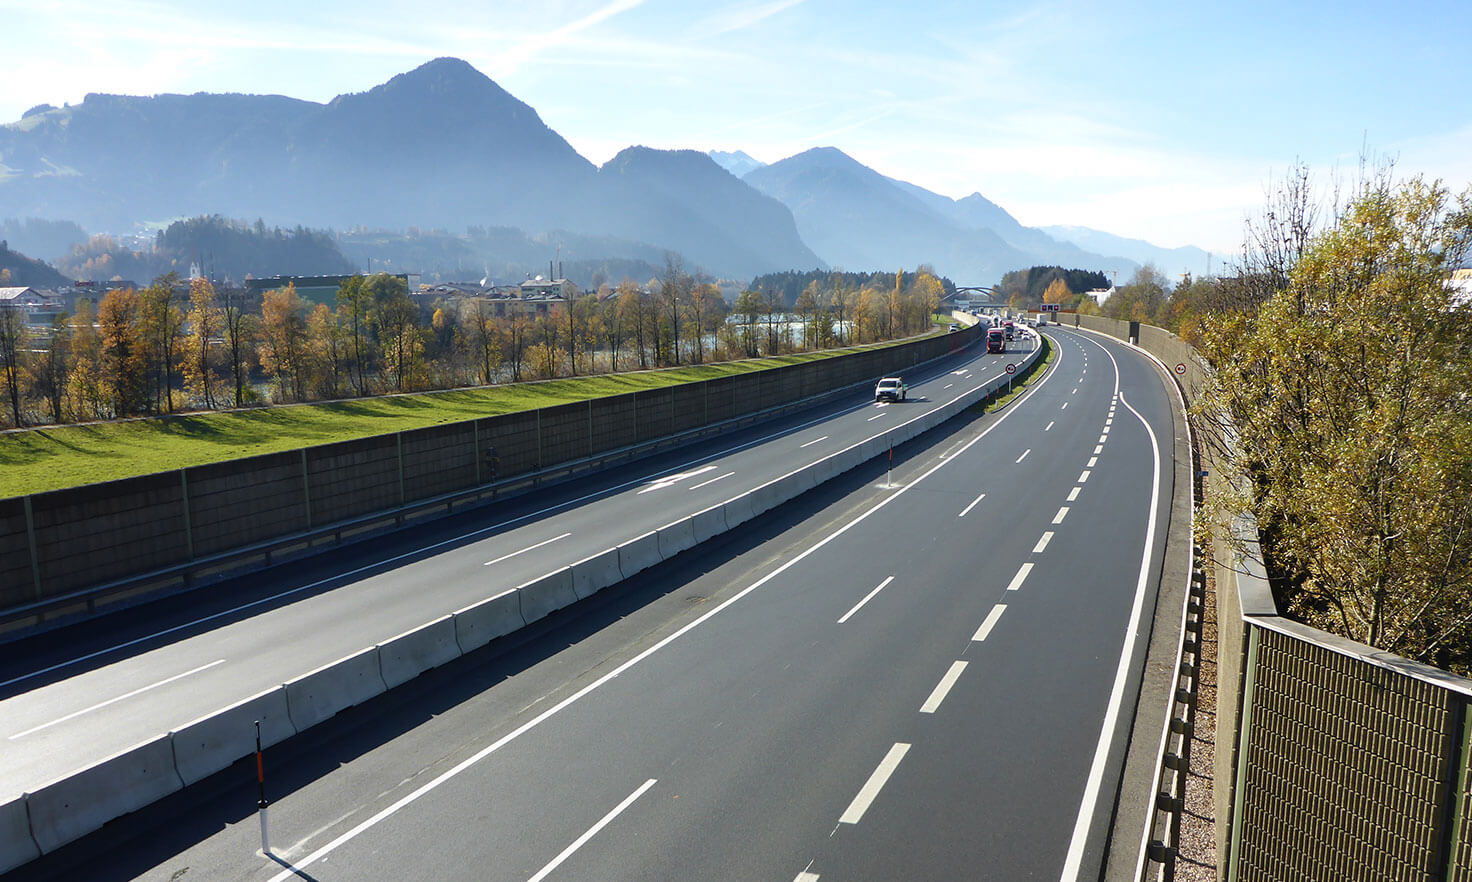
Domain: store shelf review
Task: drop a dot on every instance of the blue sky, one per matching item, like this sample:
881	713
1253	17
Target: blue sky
1167	121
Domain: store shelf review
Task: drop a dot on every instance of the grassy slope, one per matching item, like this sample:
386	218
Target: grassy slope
37	460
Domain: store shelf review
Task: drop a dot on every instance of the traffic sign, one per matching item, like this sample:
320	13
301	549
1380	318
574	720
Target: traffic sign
1181	368
1011	368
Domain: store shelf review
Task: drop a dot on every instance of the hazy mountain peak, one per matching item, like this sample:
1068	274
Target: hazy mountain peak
738	163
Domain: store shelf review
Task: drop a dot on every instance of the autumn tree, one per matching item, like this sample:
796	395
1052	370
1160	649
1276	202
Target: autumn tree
637	314
51	369
1057	292
240	334
1345	389
355	303
12	347
124	351
200	363
284	341
88	394
163	327
485	339
328	348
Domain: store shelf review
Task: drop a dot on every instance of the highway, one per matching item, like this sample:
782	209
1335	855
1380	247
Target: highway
72	697
919	679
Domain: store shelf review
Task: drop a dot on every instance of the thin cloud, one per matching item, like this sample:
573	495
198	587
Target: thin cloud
532	46
738	18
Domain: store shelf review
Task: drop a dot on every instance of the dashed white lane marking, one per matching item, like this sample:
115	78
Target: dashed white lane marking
867	597
971	506
592	831
1083	476
1021	576
1065	406
1109	421
1048	427
943	688
948	385
855	811
806	877
1093	460
989	623
1043	542
528	548
874	417
1098	449
1024	455
814	441
670	480
1073	494
100	705
1062	513
1103	438
715	479
1075	391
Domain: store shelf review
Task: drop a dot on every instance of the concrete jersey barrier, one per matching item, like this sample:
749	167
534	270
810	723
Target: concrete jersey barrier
212	743
77	804
592	574
480	623
317	696
542	597
402	658
16	845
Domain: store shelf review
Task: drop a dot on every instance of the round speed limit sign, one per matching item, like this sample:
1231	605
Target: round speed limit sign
1011	368
1181	368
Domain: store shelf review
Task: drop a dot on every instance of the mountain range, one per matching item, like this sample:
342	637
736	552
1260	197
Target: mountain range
444	147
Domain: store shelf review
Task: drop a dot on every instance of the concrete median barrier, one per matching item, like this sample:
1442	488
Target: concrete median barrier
738	511
709	523
410	654
16	845
314	697
638	554
675	538
72	807
542	597
213	742
592	574
767	497
480	623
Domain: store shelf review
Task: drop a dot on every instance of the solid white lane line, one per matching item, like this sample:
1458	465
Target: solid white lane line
295	871
1047	427
855	811
100	705
1043	543
1073	494
814	441
989	623
1024	455
1073	861
1083	476
867	597
592	831
1021	576
526	549
874	417
711	481
943	688
971	506
1062	513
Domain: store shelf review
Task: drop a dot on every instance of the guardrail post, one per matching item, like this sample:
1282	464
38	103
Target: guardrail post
31	541
306	489
188	518
399	446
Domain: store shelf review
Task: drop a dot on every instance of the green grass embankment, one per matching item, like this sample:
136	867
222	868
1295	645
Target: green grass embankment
55	457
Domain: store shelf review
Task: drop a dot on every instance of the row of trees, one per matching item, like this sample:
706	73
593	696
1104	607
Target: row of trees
174	346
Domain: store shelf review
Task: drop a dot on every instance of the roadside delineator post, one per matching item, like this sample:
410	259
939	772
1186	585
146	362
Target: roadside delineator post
261	793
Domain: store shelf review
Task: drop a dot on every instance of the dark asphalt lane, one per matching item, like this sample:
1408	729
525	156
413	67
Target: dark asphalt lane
57	716
760	725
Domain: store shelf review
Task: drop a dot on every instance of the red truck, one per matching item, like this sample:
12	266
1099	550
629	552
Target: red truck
996	340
